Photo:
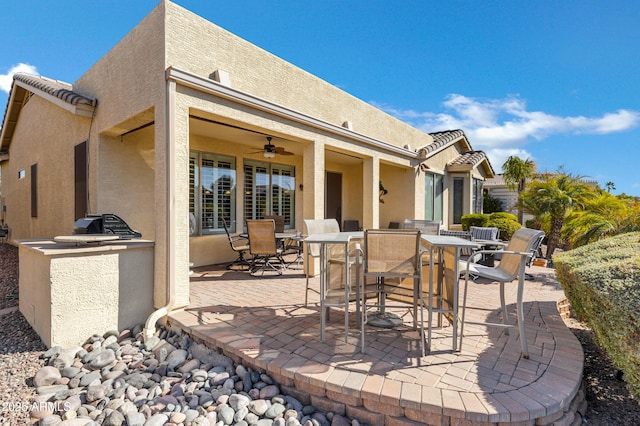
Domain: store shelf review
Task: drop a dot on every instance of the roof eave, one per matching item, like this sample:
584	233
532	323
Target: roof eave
206	85
15	104
460	167
11	114
425	154
81	109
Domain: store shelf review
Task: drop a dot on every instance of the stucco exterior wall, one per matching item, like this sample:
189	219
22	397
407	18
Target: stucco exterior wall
400	202
49	144
352	201
127	177
201	47
129	79
68	293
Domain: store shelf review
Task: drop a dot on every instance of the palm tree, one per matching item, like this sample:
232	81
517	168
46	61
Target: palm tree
516	172
603	216
610	186
556	196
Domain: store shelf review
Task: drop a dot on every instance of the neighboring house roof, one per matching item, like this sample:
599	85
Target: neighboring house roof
58	92
496	181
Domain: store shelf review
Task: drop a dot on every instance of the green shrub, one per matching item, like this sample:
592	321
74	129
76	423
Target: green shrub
475	219
503	215
507	227
602	282
491	204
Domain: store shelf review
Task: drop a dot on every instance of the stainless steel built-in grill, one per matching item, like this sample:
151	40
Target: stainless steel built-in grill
104	224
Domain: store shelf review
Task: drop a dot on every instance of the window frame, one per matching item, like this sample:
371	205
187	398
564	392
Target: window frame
202	174
434	196
457	199
279	195
477	195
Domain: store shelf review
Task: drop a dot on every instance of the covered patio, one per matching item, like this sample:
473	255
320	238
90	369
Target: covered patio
264	324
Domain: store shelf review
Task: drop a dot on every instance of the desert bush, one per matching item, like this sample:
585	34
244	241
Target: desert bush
491	204
506	222
503	215
507	227
602	282
474	219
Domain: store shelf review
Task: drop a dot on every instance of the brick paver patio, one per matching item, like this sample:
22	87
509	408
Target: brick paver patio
263	323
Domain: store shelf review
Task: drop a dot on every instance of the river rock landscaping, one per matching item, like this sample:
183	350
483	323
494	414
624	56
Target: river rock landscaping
121	379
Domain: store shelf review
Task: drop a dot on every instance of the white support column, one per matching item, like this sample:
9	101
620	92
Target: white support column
371	193
314	181
313	192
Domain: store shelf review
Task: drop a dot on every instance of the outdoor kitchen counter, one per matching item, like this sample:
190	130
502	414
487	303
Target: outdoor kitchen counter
50	247
70	290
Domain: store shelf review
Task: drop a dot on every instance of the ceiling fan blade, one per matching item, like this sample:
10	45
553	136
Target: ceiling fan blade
280	150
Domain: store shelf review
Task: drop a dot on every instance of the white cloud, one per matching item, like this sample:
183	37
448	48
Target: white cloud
502	127
7	79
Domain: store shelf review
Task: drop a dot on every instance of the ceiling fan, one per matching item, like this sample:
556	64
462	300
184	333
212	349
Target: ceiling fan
270	150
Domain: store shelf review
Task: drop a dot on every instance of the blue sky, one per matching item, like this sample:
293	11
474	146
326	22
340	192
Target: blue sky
554	81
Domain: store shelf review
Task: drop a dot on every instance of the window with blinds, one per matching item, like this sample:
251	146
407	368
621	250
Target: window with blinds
212	193
434	187
477	196
269	190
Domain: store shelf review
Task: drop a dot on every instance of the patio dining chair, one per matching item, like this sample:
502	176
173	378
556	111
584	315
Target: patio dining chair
263	246
486	234
389	257
339	290
279	221
511	266
240	245
428	227
351	225
315	226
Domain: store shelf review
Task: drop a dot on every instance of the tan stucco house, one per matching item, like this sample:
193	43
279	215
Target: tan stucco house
168	131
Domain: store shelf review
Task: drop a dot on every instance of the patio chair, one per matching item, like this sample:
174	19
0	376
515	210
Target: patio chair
240	245
316	226
340	290
511	266
263	246
294	245
486	234
428	227
279	220
351	225
389	257
535	252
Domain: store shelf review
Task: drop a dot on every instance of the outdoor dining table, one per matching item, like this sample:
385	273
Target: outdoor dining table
324	240
448	250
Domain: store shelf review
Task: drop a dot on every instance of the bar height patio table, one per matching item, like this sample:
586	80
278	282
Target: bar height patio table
324	240
448	248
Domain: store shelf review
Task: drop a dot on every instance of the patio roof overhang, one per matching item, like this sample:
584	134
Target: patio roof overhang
212	87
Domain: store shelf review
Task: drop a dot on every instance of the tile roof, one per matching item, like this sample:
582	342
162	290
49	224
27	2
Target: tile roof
59	89
471	157
442	139
59	92
497	180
